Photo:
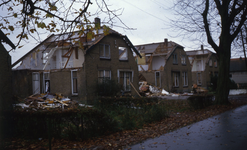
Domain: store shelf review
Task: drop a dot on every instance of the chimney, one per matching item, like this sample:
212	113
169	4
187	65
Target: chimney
166	42
97	22
202	47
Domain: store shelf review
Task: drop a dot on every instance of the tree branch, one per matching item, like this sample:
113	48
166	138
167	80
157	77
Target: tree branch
206	26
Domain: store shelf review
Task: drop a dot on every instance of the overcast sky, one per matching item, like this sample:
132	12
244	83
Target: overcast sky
149	18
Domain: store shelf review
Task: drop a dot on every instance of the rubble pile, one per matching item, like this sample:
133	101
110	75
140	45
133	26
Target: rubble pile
150	90
45	101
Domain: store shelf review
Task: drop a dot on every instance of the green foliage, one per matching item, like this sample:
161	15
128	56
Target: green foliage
200	101
131	113
108	88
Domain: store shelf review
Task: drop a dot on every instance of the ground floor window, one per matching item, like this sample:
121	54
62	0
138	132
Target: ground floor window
175	76
36	82
185	78
199	78
157	79
104	75
46	77
124	78
74	82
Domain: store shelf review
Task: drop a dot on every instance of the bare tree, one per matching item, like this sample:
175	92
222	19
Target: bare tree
240	43
218	22
31	18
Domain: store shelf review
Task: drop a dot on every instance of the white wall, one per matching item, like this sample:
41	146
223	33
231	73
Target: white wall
158	61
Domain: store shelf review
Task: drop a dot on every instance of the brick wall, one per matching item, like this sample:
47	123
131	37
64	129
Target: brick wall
93	63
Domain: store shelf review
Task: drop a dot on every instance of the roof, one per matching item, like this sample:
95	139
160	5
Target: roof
237	64
4	38
68	38
19	60
198	52
124	37
153	47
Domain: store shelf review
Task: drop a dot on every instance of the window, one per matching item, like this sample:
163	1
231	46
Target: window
123	53
104	51
185	78
46	77
175	59
104	75
210	62
36	82
175	76
125	77
183	60
74	83
215	63
199	78
45	57
157	79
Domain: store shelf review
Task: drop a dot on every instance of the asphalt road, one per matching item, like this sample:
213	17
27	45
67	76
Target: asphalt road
227	131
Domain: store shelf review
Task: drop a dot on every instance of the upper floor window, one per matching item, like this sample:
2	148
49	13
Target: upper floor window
45	57
210	62
215	63
183	60
175	58
104	51
123	53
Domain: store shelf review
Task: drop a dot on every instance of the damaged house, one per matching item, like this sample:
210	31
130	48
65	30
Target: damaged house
204	64
165	65
238	72
61	64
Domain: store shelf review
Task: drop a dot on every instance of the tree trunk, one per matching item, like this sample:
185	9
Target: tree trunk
222	91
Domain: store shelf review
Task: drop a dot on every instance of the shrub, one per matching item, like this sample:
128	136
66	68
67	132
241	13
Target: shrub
108	88
200	101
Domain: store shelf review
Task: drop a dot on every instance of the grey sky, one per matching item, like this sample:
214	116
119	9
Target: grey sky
149	18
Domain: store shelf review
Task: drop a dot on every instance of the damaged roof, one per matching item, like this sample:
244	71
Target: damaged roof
70	38
159	48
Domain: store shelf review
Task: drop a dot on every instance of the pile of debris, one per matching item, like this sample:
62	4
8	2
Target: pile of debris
46	101
199	90
150	90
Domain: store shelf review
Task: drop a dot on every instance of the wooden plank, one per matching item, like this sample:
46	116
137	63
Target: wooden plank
135	89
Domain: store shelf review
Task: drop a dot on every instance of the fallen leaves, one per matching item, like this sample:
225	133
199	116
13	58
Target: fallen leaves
123	139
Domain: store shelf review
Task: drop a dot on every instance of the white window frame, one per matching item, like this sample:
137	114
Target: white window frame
175	58
36	82
185	78
104	49
125	70
125	52
72	83
44	89
45	57
176	76
183	60
210	62
104	71
156	79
